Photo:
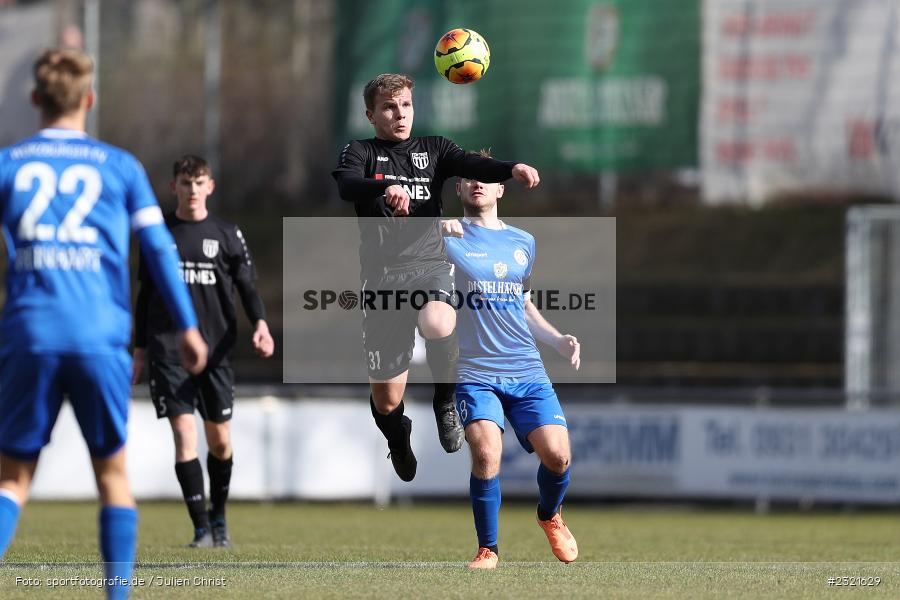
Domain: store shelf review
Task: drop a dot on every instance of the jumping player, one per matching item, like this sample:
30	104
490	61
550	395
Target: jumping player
500	368
214	260
389	177
67	202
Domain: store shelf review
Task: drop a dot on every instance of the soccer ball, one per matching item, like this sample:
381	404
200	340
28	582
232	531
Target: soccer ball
462	56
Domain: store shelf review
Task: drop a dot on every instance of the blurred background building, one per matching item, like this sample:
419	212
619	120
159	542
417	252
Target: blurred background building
727	137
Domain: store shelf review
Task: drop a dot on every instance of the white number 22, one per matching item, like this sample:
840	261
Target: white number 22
70	230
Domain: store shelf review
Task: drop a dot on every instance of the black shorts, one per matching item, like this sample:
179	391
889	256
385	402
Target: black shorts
389	334
174	391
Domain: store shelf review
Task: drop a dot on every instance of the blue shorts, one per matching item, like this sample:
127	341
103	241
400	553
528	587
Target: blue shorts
31	393
527	406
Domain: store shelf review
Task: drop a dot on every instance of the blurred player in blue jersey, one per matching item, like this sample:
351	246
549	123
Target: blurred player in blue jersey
500	369
68	204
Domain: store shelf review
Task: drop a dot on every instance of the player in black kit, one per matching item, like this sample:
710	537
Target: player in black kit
389	177
214	260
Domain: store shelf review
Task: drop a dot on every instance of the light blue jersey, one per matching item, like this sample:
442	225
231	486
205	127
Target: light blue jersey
493	271
67	203
500	369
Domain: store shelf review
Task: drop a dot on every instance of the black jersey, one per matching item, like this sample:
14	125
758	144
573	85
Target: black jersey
214	260
421	165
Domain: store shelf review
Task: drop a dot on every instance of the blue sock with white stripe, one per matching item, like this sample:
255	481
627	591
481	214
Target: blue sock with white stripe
552	488
118	544
485	494
9	517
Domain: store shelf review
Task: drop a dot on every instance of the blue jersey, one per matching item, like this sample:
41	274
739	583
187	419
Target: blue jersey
493	271
67	202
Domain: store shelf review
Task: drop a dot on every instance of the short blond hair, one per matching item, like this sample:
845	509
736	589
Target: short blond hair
61	80
386	83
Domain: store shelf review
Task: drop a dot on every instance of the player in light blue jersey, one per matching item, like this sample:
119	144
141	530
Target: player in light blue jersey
68	205
500	369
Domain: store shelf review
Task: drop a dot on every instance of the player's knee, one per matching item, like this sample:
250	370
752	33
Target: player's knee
437	324
15	491
110	477
557	460
220	448
437	330
387	400
485	462
16	478
185	440
112	482
556	457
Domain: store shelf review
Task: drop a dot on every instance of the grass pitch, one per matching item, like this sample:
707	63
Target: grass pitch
354	551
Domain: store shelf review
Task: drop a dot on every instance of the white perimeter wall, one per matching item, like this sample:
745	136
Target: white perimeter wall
330	449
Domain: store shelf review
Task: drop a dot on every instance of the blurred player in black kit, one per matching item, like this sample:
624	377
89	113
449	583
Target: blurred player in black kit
214	260
388	178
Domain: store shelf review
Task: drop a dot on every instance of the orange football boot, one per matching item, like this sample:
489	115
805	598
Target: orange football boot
485	559
562	542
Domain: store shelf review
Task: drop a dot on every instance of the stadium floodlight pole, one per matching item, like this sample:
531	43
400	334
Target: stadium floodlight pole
92	47
212	75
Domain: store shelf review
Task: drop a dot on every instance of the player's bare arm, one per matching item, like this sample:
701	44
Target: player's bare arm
567	345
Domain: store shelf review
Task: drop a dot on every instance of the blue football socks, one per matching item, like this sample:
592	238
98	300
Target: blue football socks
485	494
552	488
9	516
118	544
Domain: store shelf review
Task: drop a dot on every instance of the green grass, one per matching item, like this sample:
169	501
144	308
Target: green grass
420	551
